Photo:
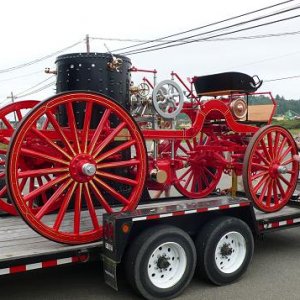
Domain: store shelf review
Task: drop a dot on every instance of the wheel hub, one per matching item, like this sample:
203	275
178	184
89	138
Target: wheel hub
89	169
282	169
163	263
276	169
82	168
226	250
230	252
166	265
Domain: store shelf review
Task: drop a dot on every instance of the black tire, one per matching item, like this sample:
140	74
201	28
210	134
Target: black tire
235	239
173	276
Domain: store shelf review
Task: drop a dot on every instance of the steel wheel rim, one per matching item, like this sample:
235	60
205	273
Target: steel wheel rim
17	109
166	265
230	252
74	148
196	180
270	172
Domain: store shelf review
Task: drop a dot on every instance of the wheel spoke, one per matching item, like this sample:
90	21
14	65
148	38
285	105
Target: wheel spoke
22	184
284	180
7	123
118	164
287	162
19	115
265	150
63	208
285	153
263	191
37	172
188	180
44	196
86	126
269	192
278	152
45	187
261	182
90	205
77	209
3	191
258	175
207	171
194	182
59	130
50	143
108	139
99	130
275	193
270	145
73	127
205	179
115	150
255	167
183	149
282	191
276	142
47	206
185	173
117	178
35	154
100	197
189	145
112	191
258	153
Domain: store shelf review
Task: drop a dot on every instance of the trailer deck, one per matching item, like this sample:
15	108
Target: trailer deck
23	249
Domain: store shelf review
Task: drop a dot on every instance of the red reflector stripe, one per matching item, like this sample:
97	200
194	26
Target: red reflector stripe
17	269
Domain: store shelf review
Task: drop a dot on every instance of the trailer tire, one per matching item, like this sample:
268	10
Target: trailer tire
160	262
224	250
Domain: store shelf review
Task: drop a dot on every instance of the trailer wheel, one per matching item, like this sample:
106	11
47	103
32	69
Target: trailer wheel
224	250
160	263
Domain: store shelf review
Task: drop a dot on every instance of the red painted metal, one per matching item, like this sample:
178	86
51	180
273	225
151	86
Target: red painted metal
197	169
270	173
77	164
8	115
80	166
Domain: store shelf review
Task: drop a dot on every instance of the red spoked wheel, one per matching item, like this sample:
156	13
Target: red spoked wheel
10	116
196	170
269	170
91	159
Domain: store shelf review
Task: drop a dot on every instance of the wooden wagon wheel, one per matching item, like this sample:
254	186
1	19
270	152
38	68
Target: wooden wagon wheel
269	170
93	152
198	173
10	116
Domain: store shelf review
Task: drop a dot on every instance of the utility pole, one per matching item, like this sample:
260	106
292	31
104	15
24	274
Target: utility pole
87	41
12	97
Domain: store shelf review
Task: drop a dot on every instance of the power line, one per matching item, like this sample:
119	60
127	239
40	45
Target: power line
39	59
205	26
37	90
282	78
259	36
21	76
36	85
148	49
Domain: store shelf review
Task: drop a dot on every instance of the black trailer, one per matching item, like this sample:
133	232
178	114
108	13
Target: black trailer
161	243
161	247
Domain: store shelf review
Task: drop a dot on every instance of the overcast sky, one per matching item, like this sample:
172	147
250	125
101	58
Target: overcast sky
33	29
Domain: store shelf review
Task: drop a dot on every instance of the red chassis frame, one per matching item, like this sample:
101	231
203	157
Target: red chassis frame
229	135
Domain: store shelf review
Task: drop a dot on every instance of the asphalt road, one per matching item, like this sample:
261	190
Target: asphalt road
273	274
